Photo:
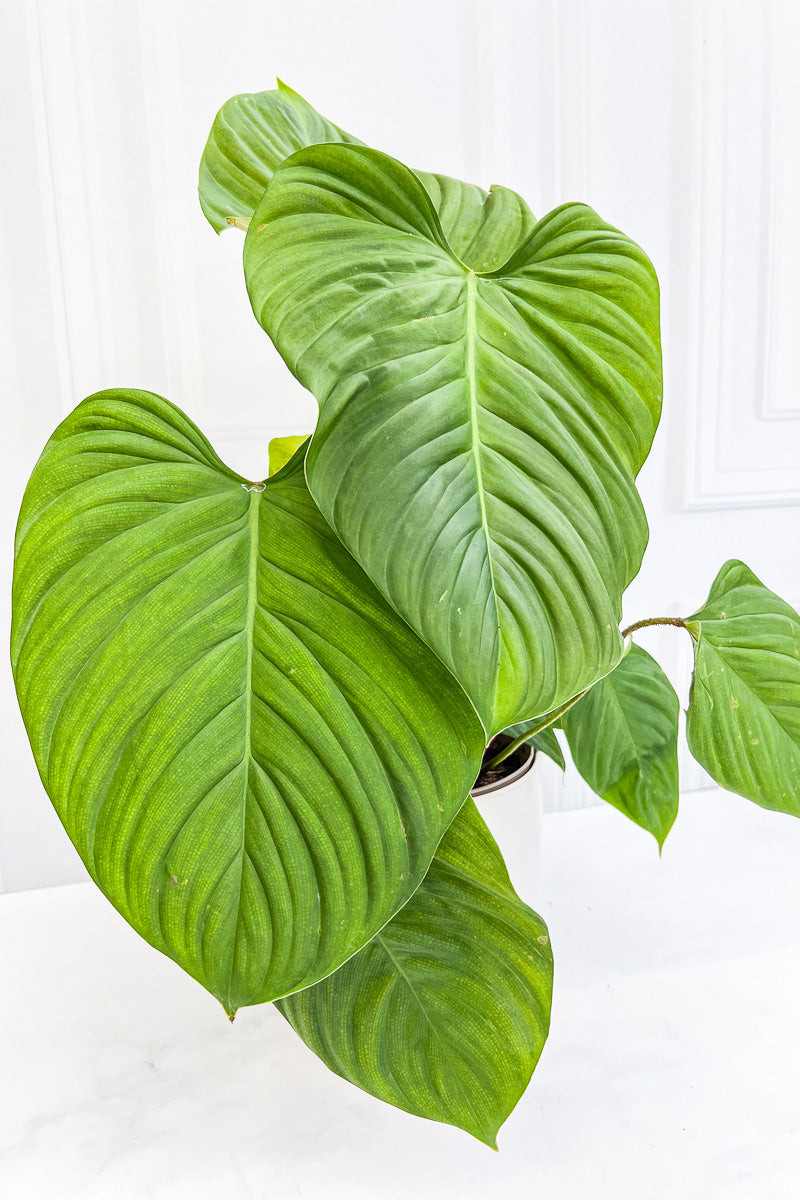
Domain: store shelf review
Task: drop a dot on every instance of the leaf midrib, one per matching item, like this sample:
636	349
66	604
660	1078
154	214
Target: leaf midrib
253	514
436	1031
471	338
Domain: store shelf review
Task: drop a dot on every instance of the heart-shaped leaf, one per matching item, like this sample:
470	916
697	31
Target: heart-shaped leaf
623	736
479	432
743	720
445	1012
253	133
239	735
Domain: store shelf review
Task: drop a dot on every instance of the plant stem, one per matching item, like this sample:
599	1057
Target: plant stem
551	717
545	722
679	621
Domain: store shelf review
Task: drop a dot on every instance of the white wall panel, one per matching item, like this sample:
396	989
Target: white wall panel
742	254
676	119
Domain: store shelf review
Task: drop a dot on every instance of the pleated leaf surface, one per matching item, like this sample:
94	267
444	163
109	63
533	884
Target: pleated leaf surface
444	1014
251	135
238	733
479	431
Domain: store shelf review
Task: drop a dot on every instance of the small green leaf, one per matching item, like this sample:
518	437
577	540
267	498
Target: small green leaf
545	741
743	720
282	450
252	134
236	730
445	1012
479	432
623	736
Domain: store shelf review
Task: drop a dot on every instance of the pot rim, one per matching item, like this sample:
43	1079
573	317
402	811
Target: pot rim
508	779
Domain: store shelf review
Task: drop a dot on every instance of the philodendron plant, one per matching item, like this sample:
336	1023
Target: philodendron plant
259	707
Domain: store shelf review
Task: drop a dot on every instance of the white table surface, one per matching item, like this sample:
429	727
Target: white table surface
672	1069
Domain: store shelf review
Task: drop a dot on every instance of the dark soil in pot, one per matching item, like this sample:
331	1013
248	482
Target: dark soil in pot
510	768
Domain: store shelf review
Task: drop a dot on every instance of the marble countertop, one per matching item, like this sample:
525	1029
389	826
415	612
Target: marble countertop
672	1069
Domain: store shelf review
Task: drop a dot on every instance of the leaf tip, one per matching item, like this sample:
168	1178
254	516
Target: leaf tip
487	1137
661	837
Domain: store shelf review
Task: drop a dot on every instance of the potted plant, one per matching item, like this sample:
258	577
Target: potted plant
259	707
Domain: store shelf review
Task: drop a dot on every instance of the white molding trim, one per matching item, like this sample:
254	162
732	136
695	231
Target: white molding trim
781	245
709	483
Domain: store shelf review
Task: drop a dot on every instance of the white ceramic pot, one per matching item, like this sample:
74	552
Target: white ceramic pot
512	809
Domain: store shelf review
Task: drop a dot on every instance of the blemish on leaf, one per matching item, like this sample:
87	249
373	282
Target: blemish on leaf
543	939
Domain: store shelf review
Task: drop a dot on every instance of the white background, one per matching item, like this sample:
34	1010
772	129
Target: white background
676	119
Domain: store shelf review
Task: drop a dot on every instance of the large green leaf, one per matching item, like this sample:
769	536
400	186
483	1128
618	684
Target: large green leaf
252	134
239	735
479	432
743	721
623	736
445	1012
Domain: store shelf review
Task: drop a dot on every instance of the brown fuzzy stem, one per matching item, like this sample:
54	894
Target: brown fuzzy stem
679	621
